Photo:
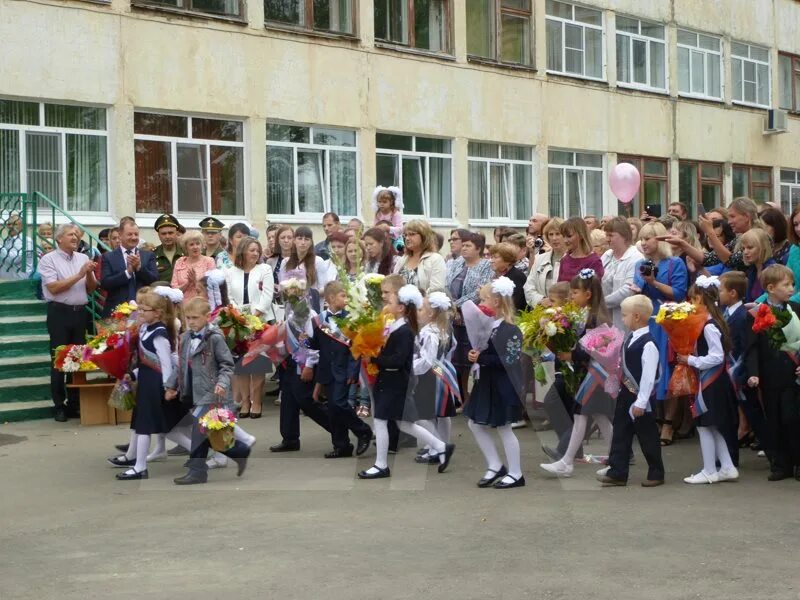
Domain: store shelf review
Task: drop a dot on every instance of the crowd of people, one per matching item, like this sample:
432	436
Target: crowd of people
619	270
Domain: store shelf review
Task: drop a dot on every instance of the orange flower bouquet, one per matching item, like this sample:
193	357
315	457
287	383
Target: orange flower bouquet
683	322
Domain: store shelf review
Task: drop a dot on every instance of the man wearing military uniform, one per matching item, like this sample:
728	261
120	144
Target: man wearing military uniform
212	235
168	251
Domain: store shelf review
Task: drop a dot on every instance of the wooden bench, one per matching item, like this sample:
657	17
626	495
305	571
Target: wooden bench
94	401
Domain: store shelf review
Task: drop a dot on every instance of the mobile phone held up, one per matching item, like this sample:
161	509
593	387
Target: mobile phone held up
654	210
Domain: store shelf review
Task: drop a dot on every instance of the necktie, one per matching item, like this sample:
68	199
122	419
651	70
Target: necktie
197	336
726	314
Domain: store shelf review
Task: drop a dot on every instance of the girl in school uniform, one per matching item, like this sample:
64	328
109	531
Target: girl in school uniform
715	406
496	398
394	384
436	393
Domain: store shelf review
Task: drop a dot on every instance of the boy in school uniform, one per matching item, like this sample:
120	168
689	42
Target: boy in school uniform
633	415
336	370
773	372
203	380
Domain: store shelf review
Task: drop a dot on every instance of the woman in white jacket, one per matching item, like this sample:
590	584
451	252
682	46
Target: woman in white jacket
421	265
250	285
619	264
544	270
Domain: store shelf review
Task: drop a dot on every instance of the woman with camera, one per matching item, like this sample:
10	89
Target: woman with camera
662	278
544	270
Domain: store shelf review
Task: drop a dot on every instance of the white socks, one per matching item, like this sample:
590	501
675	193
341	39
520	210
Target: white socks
161	447
579	432
486	444
381	428
443	427
713	447
511	447
142	446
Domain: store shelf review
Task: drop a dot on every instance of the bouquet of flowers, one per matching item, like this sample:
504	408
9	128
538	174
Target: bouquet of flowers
123	395
270	341
683	322
555	329
125	311
218	424
111	350
781	326
238	328
71	358
604	344
293	288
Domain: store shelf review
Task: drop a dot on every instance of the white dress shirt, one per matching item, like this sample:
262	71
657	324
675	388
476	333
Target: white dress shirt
427	349
649	370
732	309
715	356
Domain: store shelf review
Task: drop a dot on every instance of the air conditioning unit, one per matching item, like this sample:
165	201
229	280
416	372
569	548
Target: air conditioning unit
775	121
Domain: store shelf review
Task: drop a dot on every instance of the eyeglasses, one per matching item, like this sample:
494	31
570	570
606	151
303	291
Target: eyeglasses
454	240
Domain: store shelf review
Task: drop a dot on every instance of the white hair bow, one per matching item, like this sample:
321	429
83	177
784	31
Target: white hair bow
394	190
410	294
503	286
173	295
215	279
706	282
439	300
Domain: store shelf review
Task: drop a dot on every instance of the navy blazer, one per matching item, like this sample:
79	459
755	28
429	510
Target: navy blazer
737	323
118	286
774	368
336	363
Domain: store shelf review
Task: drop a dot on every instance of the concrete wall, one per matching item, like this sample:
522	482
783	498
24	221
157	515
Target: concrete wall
126	57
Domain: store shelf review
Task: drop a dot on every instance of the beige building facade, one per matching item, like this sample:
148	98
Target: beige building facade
483	111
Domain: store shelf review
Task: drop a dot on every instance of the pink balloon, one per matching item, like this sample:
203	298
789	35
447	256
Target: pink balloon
624	180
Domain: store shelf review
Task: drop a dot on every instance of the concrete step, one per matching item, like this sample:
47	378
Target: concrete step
37	368
17	289
22	308
17	325
13	412
21	345
24	389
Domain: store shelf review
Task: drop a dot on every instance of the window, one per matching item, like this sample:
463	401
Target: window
500	30
422	168
750	66
699	65
419	24
56	149
700	182
335	16
188	165
654	187
222	8
500	182
311	170
789	74
753	182
574	40
641	54
575	183
790	190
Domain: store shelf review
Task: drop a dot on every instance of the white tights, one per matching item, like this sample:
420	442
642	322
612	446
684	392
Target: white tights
713	447
381	427
579	432
510	446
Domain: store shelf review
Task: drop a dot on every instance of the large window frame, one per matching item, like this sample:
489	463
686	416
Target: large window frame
404	32
403	158
191	7
572	168
500	13
654	173
323	171
707	177
560	24
27	132
628	41
206	150
758	182
791	64
306	17
701	50
790	190
749	57
499	170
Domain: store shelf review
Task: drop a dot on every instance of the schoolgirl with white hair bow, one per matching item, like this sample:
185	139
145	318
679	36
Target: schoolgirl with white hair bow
393	389
496	398
387	202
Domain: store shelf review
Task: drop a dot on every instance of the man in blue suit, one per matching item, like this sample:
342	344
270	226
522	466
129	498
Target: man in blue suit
127	268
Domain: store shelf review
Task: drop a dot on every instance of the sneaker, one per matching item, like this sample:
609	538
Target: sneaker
603	472
519	424
558	468
701	478
731	474
217	461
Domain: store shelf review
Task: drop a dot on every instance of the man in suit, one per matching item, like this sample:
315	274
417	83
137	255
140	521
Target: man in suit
127	268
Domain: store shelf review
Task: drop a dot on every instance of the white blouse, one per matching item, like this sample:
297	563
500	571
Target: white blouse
324	273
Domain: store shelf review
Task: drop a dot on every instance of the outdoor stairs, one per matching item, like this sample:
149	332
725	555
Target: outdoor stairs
24	354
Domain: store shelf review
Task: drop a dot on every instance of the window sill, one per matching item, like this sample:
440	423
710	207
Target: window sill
86	219
749	105
139	4
646	90
571	77
414	51
488	62
328	35
701	98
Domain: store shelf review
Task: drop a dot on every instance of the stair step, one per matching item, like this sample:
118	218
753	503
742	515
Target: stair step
18	345
24	389
23	324
22	308
18	289
13	412
12	372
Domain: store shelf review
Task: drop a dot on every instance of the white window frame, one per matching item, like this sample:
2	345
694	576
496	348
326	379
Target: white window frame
601	28
506	163
61	131
582	183
757	62
192	141
309	217
649	42
706	67
426	156
791	186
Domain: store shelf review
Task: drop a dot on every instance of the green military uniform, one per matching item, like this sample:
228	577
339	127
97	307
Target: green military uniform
212	224
165	266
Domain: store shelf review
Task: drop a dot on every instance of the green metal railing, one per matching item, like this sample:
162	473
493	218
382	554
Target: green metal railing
23	243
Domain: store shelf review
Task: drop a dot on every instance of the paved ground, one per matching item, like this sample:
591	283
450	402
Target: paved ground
300	527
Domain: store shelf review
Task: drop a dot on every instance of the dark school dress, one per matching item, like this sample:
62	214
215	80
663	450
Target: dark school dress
719	397
591	397
496	398
394	381
148	416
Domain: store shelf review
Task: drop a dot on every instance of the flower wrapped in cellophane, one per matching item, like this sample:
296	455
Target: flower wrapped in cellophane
603	344
123	395
237	327
71	358
112	350
683	323
218	424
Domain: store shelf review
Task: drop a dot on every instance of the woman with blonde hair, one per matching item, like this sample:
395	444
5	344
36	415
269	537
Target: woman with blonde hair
189	270
684	234
421	265
579	254
544	271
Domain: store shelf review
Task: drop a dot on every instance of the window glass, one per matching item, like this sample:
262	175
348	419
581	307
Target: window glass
19	113
154	124
287	133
